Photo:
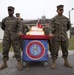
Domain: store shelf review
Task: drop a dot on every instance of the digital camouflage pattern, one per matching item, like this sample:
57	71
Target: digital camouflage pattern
11	27
61	25
24	30
47	30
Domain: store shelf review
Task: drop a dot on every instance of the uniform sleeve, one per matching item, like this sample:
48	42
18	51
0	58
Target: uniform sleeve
47	30
20	26
50	30
24	28
68	25
3	24
52	24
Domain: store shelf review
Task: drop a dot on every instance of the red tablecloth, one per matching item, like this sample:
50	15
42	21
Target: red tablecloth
35	37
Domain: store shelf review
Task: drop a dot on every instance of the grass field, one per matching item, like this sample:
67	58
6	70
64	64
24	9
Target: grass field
71	44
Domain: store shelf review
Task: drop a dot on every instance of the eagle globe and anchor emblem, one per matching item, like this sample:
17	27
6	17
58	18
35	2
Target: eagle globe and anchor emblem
35	50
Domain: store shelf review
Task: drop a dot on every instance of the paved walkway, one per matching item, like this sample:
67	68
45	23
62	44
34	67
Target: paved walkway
37	68
71	52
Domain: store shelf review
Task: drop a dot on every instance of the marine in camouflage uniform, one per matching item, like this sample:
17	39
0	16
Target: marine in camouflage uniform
48	30
11	26
61	25
24	30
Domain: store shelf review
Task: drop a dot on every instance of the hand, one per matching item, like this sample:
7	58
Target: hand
51	35
20	34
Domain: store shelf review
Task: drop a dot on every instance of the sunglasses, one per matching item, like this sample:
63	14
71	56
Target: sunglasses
60	9
10	10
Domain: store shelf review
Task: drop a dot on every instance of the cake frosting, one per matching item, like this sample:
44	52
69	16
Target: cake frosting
35	30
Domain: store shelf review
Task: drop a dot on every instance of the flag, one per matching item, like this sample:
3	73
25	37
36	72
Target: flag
39	24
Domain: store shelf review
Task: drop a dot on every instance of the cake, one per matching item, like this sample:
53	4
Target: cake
35	30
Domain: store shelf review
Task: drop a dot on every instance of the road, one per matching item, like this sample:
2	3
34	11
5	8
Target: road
37	68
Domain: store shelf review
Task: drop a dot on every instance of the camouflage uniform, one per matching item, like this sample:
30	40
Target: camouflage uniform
48	30
24	29
24	33
61	25
10	27
12	31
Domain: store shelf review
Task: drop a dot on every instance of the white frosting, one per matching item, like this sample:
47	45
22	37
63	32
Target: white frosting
35	31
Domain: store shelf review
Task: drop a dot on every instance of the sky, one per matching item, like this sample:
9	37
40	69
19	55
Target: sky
34	9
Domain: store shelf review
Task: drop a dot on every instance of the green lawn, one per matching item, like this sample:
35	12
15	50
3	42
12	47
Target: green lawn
71	44
0	47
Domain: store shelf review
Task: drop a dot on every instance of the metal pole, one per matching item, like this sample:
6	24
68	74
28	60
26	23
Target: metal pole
69	15
70	27
70	20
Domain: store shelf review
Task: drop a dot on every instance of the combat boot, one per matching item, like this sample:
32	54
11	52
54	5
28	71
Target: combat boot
20	66
67	64
53	64
4	65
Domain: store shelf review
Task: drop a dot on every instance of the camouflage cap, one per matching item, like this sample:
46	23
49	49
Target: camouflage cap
17	14
11	8
60	6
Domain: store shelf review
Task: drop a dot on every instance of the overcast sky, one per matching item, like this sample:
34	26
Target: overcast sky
33	9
